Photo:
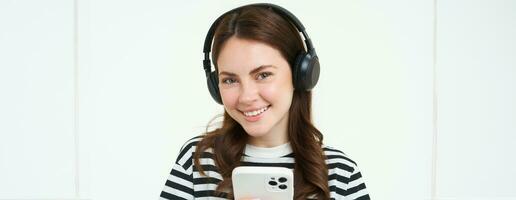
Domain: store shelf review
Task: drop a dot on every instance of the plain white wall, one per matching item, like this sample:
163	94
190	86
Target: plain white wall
108	122
476	76
37	148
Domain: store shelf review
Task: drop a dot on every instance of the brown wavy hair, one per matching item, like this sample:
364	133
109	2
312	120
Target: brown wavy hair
228	142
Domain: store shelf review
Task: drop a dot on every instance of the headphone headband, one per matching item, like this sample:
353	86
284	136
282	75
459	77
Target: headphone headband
280	10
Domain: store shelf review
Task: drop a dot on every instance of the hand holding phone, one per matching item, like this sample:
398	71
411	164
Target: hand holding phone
264	183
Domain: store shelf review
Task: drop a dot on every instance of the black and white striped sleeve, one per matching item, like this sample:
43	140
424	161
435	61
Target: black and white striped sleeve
356	188
179	184
344	178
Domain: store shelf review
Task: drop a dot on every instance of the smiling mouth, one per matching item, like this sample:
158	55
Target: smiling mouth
256	112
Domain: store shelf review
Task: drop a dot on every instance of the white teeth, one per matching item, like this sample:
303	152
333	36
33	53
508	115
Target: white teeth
256	112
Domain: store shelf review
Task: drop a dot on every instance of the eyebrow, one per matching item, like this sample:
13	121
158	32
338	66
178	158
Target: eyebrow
255	70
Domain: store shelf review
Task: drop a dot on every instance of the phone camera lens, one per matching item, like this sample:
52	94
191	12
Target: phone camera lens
282	187
273	183
282	179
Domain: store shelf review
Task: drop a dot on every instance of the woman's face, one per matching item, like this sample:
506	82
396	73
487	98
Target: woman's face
255	84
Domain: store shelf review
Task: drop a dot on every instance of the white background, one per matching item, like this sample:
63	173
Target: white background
97	96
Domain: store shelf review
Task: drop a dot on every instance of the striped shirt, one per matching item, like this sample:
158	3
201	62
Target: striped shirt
185	182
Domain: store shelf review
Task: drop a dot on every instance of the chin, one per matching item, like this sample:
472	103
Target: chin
256	132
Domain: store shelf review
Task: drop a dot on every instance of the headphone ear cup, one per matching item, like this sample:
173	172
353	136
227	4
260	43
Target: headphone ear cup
306	71
213	86
313	70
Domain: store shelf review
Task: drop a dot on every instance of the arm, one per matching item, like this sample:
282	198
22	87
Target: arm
356	188
179	184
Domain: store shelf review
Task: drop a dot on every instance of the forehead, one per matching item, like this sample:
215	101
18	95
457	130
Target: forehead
242	56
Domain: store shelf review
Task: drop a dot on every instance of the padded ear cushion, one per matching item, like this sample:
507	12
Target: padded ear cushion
213	86
306	71
295	71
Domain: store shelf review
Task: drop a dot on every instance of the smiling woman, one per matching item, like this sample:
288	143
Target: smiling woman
263	79
258	98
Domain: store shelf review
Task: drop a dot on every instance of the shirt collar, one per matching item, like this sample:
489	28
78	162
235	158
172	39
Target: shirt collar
268	152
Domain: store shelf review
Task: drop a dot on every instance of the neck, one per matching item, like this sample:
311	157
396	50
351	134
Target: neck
269	140
278	135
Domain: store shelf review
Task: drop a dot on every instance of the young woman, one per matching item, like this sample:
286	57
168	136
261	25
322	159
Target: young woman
263	76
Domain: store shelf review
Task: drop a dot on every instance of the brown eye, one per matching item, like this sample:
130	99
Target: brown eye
264	75
228	81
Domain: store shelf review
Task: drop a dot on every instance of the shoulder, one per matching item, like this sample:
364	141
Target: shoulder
336	158
191	143
188	149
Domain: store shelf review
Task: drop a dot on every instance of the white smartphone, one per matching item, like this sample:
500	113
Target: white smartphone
266	183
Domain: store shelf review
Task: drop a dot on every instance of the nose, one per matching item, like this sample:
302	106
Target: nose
248	93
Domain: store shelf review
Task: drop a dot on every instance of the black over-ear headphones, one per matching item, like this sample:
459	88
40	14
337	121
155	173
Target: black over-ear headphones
305	72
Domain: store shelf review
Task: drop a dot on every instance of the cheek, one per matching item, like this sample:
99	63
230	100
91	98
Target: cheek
269	93
275	94
229	97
